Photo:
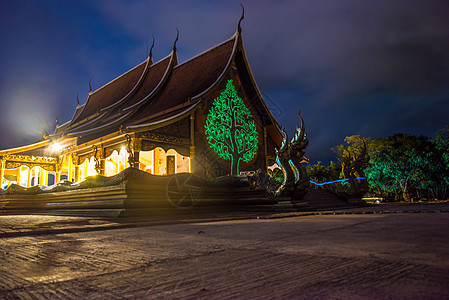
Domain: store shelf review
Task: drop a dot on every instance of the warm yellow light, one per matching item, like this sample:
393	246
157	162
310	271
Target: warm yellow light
56	147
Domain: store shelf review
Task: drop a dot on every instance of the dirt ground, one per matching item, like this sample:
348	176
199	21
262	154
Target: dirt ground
353	256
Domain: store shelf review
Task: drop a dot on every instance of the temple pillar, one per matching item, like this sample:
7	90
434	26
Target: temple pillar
136	163
36	176
77	173
137	146
156	167
69	168
76	168
102	162
29	177
2	172
18	177
192	142
44	177
102	167
58	170
85	168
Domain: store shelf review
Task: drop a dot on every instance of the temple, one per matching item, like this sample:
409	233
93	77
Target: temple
205	116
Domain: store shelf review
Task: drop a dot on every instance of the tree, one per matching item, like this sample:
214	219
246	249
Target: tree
230	128
380	181
400	161
321	173
404	165
441	164
354	159
318	172
442	143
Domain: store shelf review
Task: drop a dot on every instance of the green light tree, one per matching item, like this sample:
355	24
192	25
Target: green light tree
230	129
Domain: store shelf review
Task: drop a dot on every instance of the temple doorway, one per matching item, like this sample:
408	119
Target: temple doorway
87	168
116	162
161	162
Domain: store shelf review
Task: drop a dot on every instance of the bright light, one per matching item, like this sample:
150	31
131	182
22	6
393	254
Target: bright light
56	147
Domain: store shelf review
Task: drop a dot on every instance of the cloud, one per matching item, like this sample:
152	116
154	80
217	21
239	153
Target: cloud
354	67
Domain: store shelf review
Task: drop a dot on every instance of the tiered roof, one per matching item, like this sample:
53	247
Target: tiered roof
155	93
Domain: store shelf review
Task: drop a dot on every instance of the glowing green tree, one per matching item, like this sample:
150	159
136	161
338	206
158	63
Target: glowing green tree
230	128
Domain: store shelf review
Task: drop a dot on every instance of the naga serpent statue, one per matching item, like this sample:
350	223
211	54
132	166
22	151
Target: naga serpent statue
352	165
289	157
353	162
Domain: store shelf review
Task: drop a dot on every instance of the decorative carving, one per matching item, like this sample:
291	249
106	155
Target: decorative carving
262	181
180	129
164	138
47	163
97	161
298	145
82	158
137	144
108	150
149	145
289	157
207	162
130	150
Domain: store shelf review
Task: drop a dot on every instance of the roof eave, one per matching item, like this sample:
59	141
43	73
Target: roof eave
158	87
163	122
253	81
25	148
228	64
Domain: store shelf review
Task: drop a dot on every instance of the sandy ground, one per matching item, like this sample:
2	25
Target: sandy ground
353	256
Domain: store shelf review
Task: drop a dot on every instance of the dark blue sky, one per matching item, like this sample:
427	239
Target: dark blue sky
353	67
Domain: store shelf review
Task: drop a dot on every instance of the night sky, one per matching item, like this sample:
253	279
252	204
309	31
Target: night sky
353	67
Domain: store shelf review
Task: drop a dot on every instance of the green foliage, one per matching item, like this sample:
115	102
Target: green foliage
230	128
442	143
354	147
402	166
406	164
322	173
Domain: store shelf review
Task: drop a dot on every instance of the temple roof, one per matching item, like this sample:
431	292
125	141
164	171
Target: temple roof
111	92
186	82
153	93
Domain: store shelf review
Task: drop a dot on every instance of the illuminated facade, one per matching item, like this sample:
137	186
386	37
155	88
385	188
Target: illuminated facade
205	116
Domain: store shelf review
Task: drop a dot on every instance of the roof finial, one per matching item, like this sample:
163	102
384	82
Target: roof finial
177	37
77	99
57	121
241	18
90	86
151	49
